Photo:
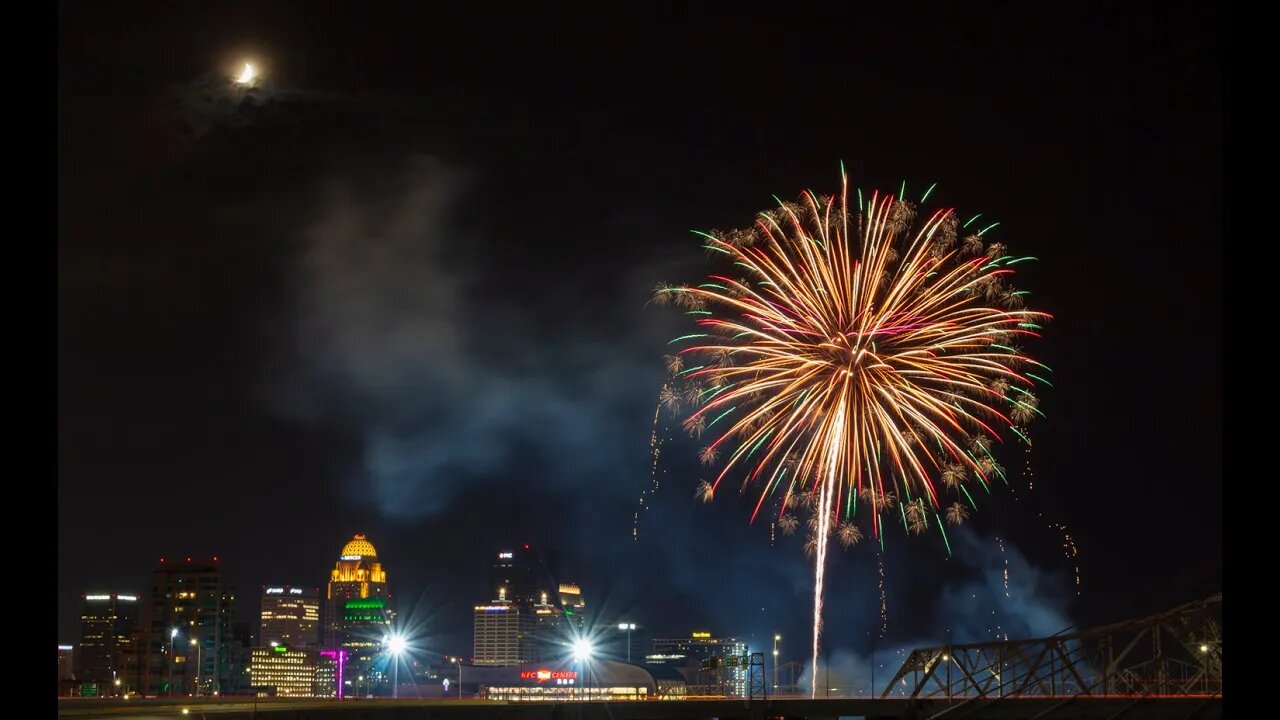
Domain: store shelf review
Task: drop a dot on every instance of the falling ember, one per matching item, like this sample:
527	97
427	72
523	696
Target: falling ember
863	359
1000	543
884	602
1069	547
655	453
1026	469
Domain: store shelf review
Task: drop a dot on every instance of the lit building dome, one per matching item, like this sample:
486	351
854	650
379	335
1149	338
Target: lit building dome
359	546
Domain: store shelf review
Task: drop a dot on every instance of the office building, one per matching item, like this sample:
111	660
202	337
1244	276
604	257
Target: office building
66	670
290	616
704	661
186	637
358	575
502	633
520	575
282	671
575	608
108	627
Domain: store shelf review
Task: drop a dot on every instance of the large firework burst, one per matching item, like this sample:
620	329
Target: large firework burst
864	360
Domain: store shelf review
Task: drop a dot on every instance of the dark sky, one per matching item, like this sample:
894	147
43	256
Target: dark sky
404	293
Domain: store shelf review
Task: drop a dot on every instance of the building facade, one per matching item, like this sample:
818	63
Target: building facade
108	632
359	611
66	670
186	637
358	575
502	634
705	661
530	617
574	607
281	671
572	681
290	616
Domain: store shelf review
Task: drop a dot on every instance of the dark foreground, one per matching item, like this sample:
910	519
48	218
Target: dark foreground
1041	708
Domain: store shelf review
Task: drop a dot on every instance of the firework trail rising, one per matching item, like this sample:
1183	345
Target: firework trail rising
858	356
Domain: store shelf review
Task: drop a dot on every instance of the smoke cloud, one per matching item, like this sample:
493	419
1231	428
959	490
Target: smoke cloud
466	377
981	608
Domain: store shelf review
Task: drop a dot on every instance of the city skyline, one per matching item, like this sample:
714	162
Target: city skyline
398	283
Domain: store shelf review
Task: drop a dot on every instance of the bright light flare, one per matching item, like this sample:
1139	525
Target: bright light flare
582	650
396	644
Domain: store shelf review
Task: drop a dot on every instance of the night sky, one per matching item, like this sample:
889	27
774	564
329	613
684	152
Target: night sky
405	292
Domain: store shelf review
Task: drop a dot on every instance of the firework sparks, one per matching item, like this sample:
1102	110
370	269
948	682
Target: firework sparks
884	600
857	356
1073	554
667	398
1000	543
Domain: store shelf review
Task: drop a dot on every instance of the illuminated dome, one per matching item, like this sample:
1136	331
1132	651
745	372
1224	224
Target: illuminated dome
359	546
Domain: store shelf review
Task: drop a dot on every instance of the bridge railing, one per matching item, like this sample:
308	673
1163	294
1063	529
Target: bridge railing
1174	653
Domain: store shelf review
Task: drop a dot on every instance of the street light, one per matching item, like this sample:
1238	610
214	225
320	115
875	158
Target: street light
458	660
628	627
173	634
396	644
582	651
776	639
196	644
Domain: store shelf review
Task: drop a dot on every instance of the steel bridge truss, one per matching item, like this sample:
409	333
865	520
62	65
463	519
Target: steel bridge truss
1173	653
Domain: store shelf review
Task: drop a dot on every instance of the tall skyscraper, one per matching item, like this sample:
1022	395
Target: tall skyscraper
358	611
519	575
187	632
530	617
357	576
502	633
290	616
108	627
575	608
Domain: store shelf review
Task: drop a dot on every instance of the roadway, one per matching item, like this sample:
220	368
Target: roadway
1013	708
